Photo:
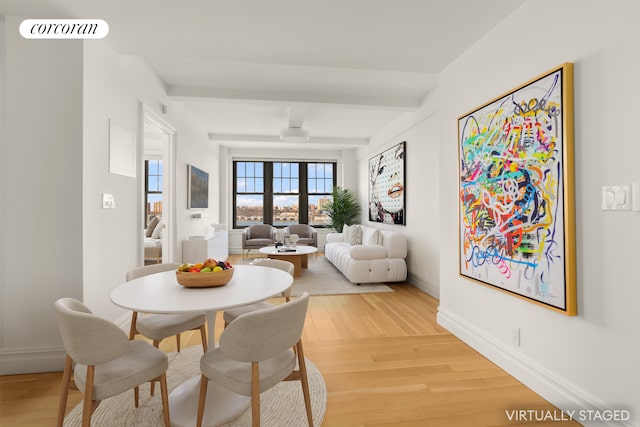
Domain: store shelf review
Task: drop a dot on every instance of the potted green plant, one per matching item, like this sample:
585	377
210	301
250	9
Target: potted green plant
343	209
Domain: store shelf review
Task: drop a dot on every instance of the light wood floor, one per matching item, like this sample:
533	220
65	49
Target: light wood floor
384	359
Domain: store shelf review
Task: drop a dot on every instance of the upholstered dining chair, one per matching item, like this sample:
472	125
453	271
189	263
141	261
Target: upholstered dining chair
160	326
107	363
255	354
231	314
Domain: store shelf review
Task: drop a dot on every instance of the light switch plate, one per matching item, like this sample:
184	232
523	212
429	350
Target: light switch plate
616	198
108	201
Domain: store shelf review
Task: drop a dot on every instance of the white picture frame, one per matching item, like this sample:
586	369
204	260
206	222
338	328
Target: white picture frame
122	150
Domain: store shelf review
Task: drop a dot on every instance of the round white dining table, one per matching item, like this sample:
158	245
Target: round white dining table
161	293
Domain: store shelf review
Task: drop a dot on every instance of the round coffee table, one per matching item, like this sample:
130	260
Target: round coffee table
298	256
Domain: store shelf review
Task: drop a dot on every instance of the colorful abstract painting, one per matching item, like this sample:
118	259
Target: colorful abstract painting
386	186
516	192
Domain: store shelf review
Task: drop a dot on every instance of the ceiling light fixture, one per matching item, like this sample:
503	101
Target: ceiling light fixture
293	134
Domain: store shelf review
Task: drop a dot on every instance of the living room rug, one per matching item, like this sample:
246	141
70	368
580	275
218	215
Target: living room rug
322	278
281	405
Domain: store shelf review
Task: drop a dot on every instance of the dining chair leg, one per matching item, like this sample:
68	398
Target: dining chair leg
64	390
203	337
204	382
178	342
136	396
255	394
165	399
305	383
156	344
132	329
87	408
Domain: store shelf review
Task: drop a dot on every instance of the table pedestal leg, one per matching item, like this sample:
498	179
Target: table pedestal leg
221	405
296	260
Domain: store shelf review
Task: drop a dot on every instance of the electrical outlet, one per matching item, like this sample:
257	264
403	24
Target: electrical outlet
515	336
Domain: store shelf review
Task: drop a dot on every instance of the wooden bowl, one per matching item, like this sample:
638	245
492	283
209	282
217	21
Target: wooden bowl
204	280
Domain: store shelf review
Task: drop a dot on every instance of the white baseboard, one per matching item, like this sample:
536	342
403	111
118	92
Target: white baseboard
42	359
32	360
124	322
552	387
432	290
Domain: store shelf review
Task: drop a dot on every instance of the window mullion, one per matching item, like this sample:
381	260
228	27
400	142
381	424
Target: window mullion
303	196
268	192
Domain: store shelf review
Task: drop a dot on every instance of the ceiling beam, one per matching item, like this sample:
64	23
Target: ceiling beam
217	137
366	102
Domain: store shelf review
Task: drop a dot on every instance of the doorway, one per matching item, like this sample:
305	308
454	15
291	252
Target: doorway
158	189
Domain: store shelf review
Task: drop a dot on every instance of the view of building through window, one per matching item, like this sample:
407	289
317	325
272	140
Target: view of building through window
249	210
153	189
320	182
317	212
286	194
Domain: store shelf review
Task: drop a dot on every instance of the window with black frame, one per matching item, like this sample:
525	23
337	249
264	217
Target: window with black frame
248	193
281	193
321	179
285	194
152	189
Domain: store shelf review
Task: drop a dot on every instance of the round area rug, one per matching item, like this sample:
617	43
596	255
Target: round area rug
282	405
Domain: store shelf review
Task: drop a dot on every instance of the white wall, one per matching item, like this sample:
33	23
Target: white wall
192	147
420	131
111	236
55	167
588	361
3	167
41	195
114	88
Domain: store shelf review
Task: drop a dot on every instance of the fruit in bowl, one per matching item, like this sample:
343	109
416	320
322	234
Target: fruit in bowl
205	274
208	266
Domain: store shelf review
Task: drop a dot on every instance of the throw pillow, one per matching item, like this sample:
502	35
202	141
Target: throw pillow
152	226
157	232
356	235
376	238
346	233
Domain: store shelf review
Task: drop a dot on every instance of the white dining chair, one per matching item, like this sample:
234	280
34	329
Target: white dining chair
255	354
160	326
231	314
106	362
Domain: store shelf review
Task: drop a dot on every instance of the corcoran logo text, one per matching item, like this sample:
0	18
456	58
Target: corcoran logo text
64	29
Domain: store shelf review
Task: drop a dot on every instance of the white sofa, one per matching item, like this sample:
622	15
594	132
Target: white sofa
380	257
